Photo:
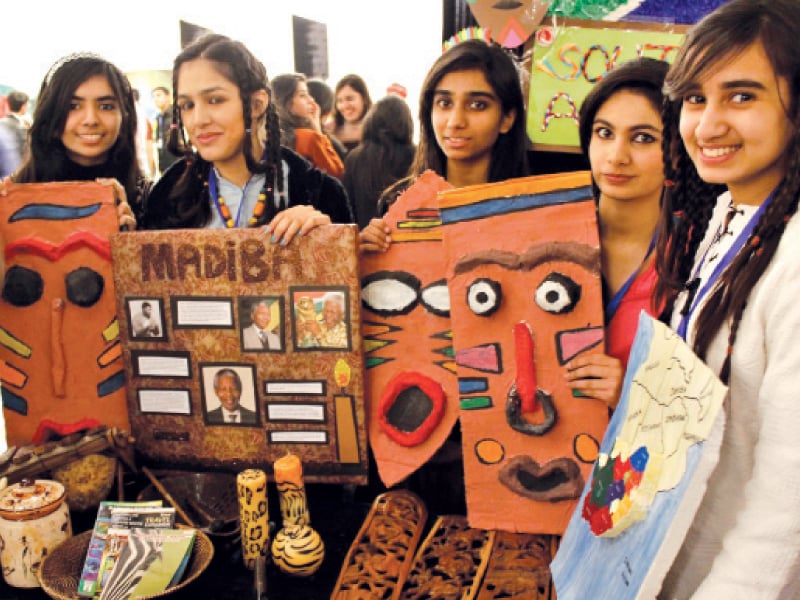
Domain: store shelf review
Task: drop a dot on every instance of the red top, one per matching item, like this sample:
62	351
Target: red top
317	148
621	330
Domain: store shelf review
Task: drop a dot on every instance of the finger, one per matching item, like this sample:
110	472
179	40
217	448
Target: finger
290	232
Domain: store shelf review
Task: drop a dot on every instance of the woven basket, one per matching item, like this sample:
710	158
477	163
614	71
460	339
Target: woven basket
61	569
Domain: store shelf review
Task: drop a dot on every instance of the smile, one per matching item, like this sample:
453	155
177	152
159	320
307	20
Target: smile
718	152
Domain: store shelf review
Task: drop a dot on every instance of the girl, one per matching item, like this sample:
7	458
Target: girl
621	135
298	115
352	103
732	262
234	172
84	128
383	156
472	126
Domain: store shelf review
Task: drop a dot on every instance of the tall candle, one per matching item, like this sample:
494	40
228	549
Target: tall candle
292	491
251	487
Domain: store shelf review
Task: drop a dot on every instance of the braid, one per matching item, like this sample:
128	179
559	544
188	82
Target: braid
730	296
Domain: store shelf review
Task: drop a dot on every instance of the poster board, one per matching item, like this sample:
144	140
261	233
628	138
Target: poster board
570	57
300	389
637	507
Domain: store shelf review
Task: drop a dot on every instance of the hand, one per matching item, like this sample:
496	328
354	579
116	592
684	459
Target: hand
5	185
375	237
127	222
314	118
295	220
597	376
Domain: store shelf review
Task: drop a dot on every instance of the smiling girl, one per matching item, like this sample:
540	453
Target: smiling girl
352	101
472	126
84	129
730	268
234	171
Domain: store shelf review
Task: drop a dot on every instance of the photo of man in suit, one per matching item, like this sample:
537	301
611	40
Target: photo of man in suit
257	336
228	390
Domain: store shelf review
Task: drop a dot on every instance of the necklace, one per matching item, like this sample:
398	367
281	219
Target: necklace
224	210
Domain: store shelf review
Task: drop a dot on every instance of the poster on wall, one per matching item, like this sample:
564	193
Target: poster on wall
570	57
239	351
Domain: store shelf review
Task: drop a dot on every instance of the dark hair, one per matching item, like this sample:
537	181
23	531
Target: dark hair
383	157
643	76
719	37
47	159
509	154
161	88
284	88
146	304
16	100
322	94
360	86
236	63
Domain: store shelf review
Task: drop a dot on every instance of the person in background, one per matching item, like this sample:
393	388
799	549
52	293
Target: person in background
84	129
472	127
14	137
352	101
144	139
621	133
729	270
234	171
301	131
164	119
323	96
383	157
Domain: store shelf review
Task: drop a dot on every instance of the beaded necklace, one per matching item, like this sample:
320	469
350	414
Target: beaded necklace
225	212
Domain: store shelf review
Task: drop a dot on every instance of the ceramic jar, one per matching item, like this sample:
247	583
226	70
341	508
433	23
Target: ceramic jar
34	519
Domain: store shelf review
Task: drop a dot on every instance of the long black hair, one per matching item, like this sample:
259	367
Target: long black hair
719	37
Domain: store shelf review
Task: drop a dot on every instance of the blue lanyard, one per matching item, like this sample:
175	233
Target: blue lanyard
212	189
616	300
737	245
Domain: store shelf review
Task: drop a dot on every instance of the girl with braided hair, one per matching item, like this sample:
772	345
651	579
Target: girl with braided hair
730	269
234	171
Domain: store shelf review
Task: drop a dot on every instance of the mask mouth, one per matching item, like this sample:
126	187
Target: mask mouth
556	480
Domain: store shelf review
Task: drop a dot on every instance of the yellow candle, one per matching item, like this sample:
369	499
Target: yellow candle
251	487
289	479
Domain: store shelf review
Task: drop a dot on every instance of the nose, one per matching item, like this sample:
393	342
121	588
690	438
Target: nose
59	369
457	117
90	114
619	151
708	123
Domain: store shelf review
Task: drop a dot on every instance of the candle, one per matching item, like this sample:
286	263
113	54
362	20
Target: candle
289	479
251	487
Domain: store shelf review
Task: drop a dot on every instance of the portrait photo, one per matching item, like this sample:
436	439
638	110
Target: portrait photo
146	318
229	394
321	319
261	323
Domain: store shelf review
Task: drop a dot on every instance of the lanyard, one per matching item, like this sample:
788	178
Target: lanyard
212	188
737	245
616	300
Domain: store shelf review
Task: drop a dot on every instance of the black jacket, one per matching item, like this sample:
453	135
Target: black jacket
306	183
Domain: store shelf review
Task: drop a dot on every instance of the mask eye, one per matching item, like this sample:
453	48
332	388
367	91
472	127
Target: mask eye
484	296
84	286
22	286
436	298
389	293
558	294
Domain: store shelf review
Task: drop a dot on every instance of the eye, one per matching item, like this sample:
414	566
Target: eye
390	293
84	286
602	132
22	287
484	296
436	298
558	294
644	138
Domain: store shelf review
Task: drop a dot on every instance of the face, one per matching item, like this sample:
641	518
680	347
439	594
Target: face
261	316
331	313
302	104
211	111
228	392
350	104
467	117
147	310
625	148
735	128
93	122
161	99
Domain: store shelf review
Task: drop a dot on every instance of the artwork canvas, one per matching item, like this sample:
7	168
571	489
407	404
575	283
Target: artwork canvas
60	352
523	274
510	23
286	396
658	453
411	380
